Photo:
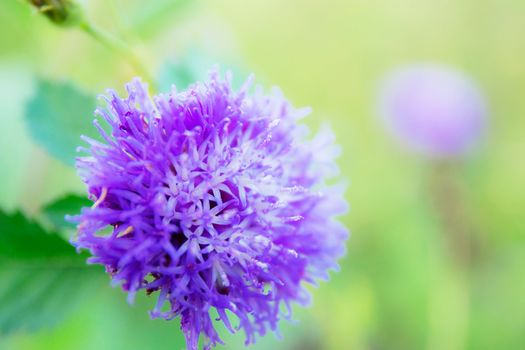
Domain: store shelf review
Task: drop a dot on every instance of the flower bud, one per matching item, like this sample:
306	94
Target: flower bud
61	12
433	110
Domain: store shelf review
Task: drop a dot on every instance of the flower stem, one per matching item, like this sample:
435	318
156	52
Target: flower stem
450	298
449	204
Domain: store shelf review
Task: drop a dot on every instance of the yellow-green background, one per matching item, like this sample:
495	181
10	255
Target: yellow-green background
398	287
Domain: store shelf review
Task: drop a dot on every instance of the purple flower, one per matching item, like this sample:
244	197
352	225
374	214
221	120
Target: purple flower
433	109
215	201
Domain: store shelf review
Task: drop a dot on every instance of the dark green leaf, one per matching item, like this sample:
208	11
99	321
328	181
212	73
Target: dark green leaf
69	205
21	239
42	275
57	115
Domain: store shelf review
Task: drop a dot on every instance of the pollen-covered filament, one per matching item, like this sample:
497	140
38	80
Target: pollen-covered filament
128	230
101	198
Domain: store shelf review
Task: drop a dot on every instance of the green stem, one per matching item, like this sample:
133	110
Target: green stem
118	46
450	298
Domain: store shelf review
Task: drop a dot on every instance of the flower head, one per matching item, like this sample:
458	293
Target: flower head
215	201
433	109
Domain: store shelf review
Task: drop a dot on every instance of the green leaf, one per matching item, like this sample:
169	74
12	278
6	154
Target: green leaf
43	277
190	68
195	66
57	115
69	205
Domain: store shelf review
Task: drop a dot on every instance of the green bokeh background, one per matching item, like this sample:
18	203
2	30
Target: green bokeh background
399	286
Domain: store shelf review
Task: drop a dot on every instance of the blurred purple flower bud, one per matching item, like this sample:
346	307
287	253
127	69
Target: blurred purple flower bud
433	109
